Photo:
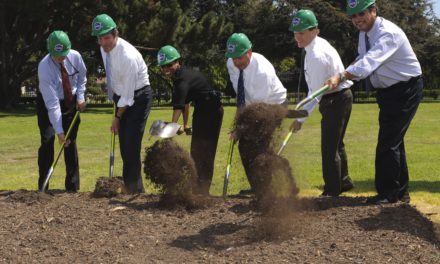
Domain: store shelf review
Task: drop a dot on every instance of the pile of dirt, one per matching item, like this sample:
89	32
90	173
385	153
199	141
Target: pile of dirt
269	175
60	227
173	171
109	186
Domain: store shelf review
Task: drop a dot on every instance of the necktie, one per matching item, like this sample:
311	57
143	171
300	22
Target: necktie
302	78
67	89
108	74
367	82
240	91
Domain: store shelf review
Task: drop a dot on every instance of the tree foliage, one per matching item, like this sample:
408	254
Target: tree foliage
199	30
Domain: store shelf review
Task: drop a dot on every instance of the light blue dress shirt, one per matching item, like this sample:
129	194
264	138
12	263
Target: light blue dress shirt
51	86
390	59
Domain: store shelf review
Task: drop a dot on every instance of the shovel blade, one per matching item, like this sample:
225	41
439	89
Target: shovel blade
296	113
163	129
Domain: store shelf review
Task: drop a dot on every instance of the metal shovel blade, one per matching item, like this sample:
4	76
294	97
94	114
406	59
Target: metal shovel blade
296	113
163	129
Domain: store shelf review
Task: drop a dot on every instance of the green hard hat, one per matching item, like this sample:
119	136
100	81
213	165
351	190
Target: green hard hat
102	24
58	44
302	20
237	45
356	6
166	55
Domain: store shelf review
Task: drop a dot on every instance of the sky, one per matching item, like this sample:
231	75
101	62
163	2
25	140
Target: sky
437	8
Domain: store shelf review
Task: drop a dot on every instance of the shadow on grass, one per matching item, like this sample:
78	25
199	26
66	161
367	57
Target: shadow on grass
414	186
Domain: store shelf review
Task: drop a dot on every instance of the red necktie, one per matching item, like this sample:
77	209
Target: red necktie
68	97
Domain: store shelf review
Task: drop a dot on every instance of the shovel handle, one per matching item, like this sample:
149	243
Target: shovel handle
228	168
54	163
298	106
112	147
312	96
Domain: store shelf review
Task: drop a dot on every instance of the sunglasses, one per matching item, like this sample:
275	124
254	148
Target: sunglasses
360	14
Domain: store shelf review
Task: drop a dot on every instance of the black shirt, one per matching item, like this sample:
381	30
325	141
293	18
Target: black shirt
189	86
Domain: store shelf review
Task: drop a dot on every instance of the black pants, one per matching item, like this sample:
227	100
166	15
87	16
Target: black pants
206	124
335	109
46	150
398	105
131	131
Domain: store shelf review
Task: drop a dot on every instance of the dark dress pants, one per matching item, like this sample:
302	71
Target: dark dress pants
46	150
335	110
131	132
206	124
398	105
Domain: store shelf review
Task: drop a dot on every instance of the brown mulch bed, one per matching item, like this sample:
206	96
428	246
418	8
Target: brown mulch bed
59	227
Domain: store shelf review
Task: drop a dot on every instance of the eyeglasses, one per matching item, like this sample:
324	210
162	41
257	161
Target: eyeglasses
360	14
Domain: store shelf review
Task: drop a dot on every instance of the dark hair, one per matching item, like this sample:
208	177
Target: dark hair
115	32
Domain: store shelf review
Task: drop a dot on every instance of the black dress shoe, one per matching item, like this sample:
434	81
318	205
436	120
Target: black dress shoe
328	194
405	198
246	192
380	199
347	186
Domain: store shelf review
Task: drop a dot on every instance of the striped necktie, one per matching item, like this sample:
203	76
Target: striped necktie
67	89
240	91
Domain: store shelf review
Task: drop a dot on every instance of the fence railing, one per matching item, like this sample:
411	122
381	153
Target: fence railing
358	97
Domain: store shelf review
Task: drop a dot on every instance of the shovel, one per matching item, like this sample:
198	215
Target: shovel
228	168
112	147
54	163
299	105
163	129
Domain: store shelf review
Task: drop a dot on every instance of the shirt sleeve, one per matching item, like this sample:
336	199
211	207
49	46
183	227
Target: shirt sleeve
82	80
48	91
179	95
127	73
385	46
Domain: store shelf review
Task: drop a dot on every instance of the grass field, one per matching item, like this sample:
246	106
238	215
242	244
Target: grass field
19	142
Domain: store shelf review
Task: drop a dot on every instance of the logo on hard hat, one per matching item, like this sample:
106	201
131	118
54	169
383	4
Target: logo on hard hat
352	3
58	47
296	21
161	57
98	25
231	48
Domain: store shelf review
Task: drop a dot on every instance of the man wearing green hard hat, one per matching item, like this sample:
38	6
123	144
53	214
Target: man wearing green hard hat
321	61
61	86
191	86
254	80
128	86
387	63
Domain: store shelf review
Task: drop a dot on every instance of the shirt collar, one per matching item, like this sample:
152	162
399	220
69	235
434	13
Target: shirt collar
375	27
311	45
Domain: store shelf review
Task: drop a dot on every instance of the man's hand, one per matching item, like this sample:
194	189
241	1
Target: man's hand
62	140
296	126
115	125
81	105
333	82
180	131
233	135
188	131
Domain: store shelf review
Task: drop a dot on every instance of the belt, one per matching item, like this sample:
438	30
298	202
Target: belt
142	89
396	85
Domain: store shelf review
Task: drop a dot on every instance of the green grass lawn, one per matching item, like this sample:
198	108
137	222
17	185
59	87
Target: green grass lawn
19	142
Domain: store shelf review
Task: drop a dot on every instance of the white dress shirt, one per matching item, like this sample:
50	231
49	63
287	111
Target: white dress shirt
261	84
390	59
128	71
321	62
51	85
